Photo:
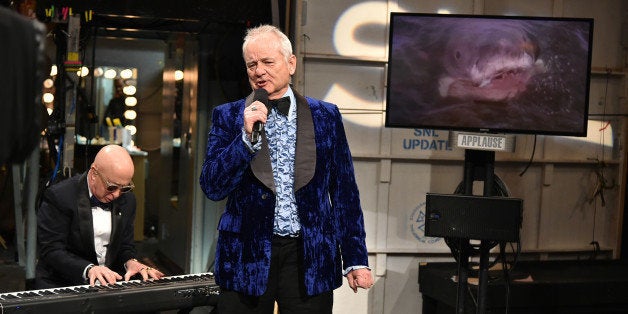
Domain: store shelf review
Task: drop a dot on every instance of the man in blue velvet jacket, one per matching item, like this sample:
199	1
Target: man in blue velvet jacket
293	225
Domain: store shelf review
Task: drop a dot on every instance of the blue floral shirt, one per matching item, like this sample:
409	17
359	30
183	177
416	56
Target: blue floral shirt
281	132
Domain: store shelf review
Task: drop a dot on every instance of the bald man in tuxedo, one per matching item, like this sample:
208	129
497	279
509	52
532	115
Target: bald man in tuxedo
85	226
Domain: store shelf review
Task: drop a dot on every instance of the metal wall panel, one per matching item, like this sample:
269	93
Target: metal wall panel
354	86
349	28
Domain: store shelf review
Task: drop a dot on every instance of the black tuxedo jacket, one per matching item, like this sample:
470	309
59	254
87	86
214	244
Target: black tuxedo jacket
65	234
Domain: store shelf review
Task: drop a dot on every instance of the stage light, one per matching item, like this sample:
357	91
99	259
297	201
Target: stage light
178	75
130	114
132	129
83	72
110	73
48	97
48	83
129	90
130	101
98	72
126	73
53	70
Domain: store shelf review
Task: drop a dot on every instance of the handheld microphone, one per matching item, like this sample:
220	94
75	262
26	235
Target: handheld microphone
260	95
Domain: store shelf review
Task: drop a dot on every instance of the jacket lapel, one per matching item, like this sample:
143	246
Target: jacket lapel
260	164
86	221
116	218
305	159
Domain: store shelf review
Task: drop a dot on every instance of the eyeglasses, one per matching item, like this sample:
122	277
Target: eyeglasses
112	187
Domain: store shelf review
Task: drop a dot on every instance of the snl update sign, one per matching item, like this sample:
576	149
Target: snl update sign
427	140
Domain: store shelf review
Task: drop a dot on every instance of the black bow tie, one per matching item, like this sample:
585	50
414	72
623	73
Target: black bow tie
96	203
282	105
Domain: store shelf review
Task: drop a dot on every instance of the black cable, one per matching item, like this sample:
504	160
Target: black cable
506	272
531	158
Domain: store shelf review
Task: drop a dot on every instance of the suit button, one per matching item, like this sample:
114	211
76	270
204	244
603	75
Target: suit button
264	196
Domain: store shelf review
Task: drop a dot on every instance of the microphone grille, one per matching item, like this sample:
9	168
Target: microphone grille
261	95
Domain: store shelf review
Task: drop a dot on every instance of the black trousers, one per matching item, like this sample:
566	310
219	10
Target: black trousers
285	285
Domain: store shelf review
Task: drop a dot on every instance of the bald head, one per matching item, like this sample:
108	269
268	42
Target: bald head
114	158
112	166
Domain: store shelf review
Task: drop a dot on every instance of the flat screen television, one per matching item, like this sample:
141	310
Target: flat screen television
490	74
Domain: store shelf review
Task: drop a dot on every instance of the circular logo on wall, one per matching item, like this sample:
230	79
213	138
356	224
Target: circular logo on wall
417	225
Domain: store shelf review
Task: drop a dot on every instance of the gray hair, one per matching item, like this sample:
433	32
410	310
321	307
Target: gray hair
285	46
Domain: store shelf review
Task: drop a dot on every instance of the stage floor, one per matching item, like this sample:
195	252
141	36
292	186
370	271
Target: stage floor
591	286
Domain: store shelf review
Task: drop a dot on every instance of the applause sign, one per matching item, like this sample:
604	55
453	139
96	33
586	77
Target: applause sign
495	142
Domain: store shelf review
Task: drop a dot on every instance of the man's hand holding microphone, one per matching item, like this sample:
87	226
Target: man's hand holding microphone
255	115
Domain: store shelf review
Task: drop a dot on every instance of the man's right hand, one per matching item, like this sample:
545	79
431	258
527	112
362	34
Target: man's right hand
103	274
255	112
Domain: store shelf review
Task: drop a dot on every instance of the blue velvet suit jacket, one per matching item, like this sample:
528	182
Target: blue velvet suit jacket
332	224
